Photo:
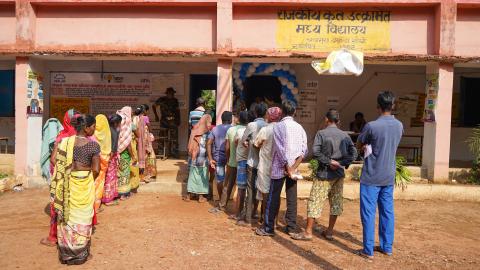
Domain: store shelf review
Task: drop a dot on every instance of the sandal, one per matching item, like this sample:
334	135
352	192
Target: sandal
113	203
329	237
215	210
242	223
202	200
47	242
301	237
233	217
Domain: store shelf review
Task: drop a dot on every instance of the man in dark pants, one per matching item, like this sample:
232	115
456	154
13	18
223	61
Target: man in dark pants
253	158
170	120
289	149
380	139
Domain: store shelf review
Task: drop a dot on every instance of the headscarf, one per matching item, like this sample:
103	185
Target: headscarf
274	114
68	130
125	136
198	130
102	134
49	134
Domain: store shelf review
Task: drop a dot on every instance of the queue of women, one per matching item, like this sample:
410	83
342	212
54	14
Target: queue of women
90	162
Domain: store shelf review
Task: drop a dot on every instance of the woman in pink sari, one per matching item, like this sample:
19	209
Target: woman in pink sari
110	192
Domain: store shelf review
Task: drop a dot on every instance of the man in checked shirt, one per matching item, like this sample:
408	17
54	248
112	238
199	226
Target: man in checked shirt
289	149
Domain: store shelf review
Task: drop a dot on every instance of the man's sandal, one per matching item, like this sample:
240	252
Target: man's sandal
301	237
378	249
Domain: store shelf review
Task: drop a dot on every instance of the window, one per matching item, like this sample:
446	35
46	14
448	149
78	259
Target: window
470	97
7	93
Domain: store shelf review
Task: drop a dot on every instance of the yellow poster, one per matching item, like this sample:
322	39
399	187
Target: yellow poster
59	105
324	30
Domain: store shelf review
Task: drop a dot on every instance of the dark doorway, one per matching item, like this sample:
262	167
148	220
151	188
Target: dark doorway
199	83
266	87
470	94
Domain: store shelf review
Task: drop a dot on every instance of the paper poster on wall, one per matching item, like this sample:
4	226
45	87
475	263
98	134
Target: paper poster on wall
307	106
315	30
108	92
34	93
431	99
59	105
333	102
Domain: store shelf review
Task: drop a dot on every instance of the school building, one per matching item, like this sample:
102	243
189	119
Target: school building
98	56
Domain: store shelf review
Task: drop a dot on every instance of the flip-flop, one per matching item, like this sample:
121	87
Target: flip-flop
112	203
47	243
301	237
214	210
233	217
242	223
327	236
378	249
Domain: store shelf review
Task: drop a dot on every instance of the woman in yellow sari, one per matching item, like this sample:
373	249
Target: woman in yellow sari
77	165
104	139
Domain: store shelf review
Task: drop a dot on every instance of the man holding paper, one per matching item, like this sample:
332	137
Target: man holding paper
380	139
334	151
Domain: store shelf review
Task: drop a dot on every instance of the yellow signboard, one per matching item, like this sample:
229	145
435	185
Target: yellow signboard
59	105
324	31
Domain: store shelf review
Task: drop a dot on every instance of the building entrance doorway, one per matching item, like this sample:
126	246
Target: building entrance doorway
267	88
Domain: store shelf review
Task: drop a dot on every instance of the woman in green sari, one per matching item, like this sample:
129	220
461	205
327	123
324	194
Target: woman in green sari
126	153
77	165
197	150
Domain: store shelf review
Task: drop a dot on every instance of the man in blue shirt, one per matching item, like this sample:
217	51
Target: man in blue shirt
379	139
216	149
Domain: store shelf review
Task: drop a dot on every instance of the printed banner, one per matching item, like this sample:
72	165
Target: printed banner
105	93
327	30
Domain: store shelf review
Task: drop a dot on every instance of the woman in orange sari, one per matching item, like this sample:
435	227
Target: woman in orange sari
104	139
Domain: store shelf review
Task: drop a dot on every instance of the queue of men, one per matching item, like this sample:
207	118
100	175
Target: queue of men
261	154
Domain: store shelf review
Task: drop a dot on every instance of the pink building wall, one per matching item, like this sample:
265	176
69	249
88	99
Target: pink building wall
467	38
7	26
125	28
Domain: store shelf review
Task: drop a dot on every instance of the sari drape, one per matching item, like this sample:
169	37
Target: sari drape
74	196
49	134
134	168
124	174
104	139
110	191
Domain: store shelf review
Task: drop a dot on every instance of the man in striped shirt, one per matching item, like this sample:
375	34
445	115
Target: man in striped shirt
289	149
196	114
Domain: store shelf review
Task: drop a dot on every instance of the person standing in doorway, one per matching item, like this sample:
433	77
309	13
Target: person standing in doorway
252	164
195	115
216	149
289	149
170	117
382	137
334	151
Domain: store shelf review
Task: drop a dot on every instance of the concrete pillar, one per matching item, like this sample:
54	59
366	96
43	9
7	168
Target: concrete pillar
224	26
21	126
445	19
224	87
436	147
28	129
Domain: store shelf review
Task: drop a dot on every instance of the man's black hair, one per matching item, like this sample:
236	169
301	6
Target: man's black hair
200	101
288	108
138	110
385	101
261	110
333	116
251	116
226	117
145	107
114	119
243	118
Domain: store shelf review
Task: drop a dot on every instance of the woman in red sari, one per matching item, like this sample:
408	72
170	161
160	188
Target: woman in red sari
68	130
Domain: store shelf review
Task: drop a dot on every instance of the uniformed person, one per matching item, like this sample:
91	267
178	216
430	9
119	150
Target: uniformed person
170	117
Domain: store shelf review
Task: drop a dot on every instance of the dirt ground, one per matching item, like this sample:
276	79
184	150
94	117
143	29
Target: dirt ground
153	231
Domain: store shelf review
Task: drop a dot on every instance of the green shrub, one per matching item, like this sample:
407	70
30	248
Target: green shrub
474	145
